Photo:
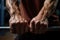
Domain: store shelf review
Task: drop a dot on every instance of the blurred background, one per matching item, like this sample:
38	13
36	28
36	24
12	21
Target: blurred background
54	21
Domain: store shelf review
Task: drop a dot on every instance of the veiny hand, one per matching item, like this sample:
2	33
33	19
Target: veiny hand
37	26
18	24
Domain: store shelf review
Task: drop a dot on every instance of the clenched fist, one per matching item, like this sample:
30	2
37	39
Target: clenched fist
37	26
18	24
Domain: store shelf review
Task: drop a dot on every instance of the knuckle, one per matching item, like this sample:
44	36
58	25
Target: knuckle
17	21
26	21
36	21
21	21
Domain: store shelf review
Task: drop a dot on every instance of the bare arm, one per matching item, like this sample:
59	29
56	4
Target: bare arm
12	7
17	23
39	24
48	8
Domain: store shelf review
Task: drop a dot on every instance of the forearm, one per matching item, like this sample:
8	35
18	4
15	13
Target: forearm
48	8
8	7
12	7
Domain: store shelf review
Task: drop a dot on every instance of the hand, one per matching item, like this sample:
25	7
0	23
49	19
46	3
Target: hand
38	26
18	24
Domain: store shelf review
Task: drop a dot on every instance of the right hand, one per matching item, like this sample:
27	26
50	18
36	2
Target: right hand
18	24
38	26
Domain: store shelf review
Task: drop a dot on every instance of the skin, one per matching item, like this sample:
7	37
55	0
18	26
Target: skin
41	18
37	24
16	20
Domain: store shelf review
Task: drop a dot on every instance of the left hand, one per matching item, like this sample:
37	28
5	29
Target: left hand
37	26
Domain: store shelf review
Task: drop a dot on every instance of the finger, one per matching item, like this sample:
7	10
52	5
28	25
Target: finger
44	24
43	28
37	27
24	27
33	26
27	28
13	28
31	22
30	26
18	28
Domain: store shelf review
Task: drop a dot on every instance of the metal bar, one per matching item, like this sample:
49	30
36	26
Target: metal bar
4	27
48	27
